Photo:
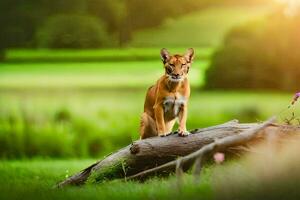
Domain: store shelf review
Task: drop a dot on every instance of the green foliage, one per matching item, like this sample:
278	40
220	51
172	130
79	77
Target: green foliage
20	20
156	13
28	134
72	31
206	27
91	124
259	55
16	24
2	54
111	11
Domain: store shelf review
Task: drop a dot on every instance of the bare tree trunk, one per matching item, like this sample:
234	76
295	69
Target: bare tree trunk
143	155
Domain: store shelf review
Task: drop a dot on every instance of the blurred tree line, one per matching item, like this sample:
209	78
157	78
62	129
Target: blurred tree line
262	54
85	23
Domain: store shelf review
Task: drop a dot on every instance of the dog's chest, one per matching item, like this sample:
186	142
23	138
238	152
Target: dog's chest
172	105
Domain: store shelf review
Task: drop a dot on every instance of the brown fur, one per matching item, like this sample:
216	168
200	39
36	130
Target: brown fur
173	87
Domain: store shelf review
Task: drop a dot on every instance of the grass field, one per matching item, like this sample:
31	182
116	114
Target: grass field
135	74
98	55
35	179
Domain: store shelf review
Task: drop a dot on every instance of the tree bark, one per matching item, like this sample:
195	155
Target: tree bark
146	154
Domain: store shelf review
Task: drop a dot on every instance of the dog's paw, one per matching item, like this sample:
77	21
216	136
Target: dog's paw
175	132
165	134
183	133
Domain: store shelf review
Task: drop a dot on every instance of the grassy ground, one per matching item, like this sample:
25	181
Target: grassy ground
35	179
135	74
97	55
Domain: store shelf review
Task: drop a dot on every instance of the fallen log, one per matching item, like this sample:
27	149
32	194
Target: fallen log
144	155
219	144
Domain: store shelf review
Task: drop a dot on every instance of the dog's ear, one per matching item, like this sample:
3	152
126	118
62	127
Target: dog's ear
165	55
189	55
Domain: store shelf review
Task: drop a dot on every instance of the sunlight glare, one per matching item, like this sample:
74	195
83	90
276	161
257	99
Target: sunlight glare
292	7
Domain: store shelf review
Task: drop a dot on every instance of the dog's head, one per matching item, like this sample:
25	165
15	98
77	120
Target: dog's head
177	66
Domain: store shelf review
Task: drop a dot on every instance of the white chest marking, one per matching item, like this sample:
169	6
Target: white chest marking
173	105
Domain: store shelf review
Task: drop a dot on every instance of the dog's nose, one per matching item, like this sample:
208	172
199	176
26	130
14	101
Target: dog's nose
176	75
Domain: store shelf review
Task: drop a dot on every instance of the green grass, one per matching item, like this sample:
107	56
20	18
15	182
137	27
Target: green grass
203	28
135	74
97	55
35	179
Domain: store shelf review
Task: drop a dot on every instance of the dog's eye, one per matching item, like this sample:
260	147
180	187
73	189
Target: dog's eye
183	65
169	70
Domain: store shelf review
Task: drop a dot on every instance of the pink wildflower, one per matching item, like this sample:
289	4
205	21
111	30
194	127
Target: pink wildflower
296	97
219	157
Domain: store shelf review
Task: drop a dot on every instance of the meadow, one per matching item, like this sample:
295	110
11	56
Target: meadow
88	109
60	110
48	112
109	74
96	55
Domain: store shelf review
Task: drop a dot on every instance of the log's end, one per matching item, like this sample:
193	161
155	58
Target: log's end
134	149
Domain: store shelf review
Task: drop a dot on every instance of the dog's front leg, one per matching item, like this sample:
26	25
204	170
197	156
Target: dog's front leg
159	120
182	117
